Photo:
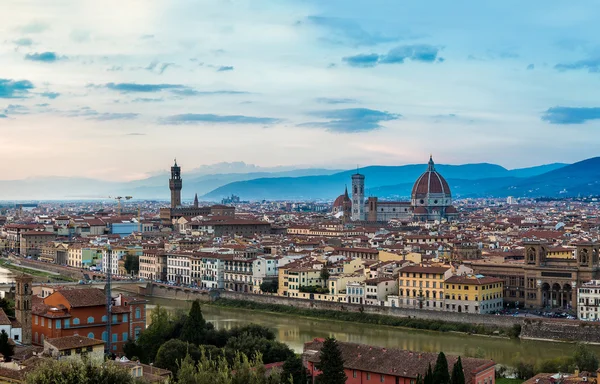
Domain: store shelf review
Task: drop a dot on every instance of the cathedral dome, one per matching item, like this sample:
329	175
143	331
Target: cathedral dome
339	202
431	184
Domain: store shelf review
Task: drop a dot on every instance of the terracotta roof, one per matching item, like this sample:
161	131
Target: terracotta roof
70	342
473	280
89	297
4	320
420	269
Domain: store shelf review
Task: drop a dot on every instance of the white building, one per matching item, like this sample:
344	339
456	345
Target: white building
378	289
355	293
263	268
588	301
116	254
212	271
179	268
12	328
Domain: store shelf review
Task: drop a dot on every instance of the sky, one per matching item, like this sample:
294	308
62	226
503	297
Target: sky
115	90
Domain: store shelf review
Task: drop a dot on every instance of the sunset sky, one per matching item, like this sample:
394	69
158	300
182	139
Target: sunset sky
116	89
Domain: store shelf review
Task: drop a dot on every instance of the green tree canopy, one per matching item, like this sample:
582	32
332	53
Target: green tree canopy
585	358
458	375
440	371
174	351
78	372
269	286
271	351
428	379
194	328
331	363
6	348
294	369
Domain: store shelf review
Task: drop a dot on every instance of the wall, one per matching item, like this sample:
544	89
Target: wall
549	329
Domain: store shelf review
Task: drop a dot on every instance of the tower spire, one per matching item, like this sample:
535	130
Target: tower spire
196	201
431	166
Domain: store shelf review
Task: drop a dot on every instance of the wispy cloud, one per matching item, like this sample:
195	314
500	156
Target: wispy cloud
352	120
194	118
158	67
135	134
591	65
23	42
193	92
571	115
16	109
134	87
46	57
34	27
3	116
416	52
224	68
50	95
334	100
147	100
530	67
348	31
11	89
92	114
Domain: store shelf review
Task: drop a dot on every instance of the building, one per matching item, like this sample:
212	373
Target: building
342	207
358	197
379	288
422	287
32	242
75	348
11	326
263	268
179	267
71	312
176	210
371	364
588	299
474	294
23	306
542	281
431	200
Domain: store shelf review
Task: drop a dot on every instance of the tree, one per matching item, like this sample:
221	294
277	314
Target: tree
584	358
160	330
174	351
78	372
294	369
428	379
132	264
6	348
440	371
271	351
331	363
458	376
269	286
325	274
194	327
8	306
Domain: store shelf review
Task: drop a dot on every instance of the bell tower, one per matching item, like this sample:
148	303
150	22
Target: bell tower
358	197
175	185
23	305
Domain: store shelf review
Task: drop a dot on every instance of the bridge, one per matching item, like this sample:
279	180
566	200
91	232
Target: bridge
129	286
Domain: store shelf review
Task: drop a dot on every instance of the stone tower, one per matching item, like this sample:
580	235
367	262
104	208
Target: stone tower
23	305
175	185
358	197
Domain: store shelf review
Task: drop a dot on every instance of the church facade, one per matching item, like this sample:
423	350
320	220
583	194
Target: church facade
431	200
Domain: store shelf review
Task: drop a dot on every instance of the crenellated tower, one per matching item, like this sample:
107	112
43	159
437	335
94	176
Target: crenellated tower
175	185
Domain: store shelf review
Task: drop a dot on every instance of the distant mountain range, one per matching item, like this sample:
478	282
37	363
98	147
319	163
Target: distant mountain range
282	183
469	180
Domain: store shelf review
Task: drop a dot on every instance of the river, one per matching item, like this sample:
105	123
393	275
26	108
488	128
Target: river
294	331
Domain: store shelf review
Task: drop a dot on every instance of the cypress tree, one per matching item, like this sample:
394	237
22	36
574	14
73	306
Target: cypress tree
195	326
428	379
440	371
458	376
331	363
6	349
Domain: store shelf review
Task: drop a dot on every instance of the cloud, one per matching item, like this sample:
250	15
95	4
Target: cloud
159	69
333	100
194	118
147	100
416	52
114	116
23	42
46	57
193	92
92	114
50	95
352	120
591	65
115	68
10	89
362	60
570	115
530	67
16	109
3	116
135	134
225	68
134	87
34	27
146	37
348	31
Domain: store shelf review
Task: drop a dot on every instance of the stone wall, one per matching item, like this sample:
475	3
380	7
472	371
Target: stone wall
549	329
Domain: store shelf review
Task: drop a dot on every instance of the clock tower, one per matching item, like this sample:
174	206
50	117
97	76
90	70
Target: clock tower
23	305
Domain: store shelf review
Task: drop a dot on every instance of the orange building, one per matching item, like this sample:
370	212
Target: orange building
68	312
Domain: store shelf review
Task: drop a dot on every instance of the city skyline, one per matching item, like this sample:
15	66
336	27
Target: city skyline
114	91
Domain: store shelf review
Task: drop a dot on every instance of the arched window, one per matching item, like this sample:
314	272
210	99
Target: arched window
104	318
91	335
90	319
36	337
138	313
105	336
76	321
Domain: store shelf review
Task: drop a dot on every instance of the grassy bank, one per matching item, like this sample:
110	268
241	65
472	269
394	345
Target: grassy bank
502	380
35	273
368	318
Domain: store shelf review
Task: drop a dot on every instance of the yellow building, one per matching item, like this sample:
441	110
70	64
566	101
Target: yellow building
474	294
561	253
422	286
303	277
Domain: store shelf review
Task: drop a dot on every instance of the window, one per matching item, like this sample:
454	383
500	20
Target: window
67	323
138	313
76	321
90	320
137	332
36	320
50	323
105	336
382	379
125	336
114	318
91	335
115	337
42	321
124	317
104	318
354	373
368	376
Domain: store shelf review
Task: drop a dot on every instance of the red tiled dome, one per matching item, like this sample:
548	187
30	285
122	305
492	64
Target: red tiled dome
339	202
451	210
420	211
430	182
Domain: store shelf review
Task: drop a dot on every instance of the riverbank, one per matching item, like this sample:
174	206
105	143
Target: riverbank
369	318
38	274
